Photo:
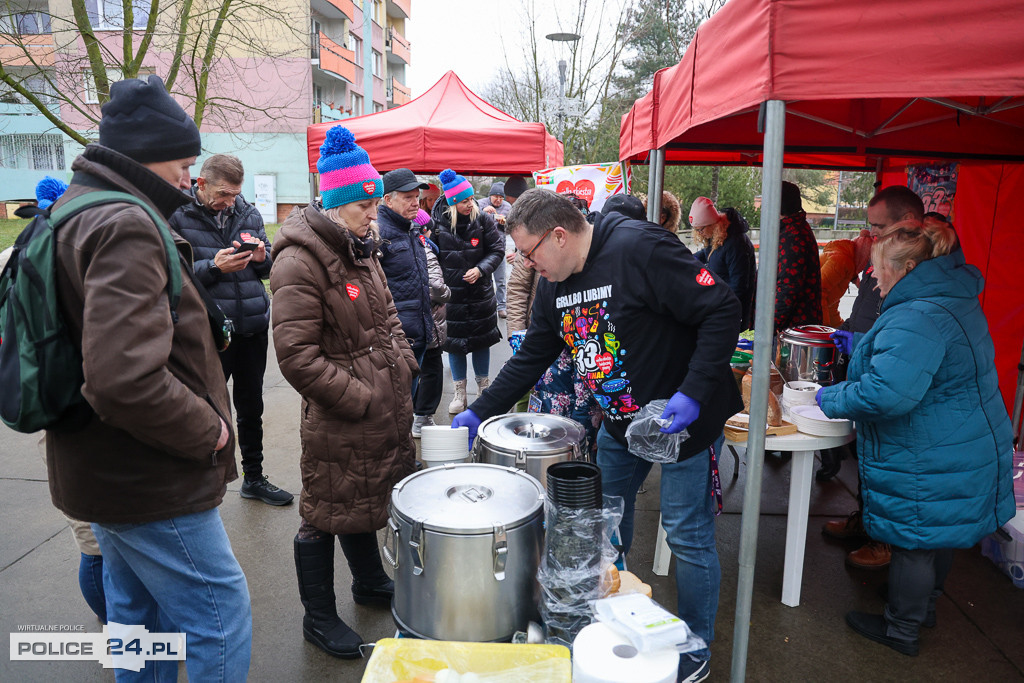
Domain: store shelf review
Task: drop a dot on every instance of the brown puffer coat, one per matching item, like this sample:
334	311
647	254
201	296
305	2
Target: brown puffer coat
340	345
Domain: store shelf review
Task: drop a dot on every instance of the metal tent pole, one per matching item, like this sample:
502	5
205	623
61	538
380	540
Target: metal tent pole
655	183
764	321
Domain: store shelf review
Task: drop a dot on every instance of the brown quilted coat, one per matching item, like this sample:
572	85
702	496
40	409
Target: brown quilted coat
340	345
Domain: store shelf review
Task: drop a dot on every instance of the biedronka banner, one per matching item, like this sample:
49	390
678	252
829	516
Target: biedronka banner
593	183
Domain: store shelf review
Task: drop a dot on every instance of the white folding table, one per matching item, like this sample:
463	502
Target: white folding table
803	447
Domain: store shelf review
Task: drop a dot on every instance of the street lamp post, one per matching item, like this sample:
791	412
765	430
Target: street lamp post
562	102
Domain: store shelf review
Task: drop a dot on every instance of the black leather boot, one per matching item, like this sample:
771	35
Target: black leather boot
314	567
370	584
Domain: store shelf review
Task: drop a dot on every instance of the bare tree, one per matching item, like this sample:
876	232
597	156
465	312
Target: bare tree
188	42
528	78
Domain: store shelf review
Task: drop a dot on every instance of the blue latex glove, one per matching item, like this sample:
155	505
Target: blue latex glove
817	396
683	410
843	341
515	340
467	418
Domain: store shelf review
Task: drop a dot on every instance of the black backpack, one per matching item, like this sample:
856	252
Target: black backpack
40	366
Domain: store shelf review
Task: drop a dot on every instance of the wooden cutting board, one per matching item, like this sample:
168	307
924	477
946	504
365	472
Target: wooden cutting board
736	428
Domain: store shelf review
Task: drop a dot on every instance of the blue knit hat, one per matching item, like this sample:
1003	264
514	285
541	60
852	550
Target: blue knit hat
346	175
456	188
49	190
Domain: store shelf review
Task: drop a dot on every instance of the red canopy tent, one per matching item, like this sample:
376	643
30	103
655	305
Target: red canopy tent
869	85
448	126
872	85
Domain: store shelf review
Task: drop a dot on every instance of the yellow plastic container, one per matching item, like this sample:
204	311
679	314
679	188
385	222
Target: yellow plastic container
408	660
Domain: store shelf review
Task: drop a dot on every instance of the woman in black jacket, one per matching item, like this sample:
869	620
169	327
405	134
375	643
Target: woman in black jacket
471	248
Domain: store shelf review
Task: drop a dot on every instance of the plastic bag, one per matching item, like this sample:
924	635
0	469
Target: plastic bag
646	624
645	439
573	570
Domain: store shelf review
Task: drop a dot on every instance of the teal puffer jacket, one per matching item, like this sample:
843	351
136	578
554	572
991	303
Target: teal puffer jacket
933	435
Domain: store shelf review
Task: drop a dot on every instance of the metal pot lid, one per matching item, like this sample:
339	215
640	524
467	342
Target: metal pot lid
468	499
808	335
534	433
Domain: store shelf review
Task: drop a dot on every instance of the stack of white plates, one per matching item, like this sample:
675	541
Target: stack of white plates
810	420
440	444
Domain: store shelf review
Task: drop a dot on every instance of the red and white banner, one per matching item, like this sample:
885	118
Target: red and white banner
593	183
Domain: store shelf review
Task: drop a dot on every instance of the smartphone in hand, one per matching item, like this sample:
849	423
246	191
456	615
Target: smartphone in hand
246	246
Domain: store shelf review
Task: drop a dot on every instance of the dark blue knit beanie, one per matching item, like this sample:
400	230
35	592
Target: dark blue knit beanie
144	123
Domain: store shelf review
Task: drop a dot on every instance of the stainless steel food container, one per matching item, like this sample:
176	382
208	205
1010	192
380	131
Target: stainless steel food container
465	543
532	442
807	353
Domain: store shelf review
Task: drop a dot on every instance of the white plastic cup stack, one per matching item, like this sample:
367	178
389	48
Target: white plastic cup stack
440	444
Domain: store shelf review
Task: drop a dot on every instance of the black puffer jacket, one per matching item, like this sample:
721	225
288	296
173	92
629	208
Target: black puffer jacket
405	264
472	310
736	263
241	295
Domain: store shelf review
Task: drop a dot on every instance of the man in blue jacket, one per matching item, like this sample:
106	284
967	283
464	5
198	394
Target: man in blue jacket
645	321
231	255
404	261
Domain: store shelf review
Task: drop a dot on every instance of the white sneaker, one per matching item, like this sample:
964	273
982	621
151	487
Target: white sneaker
419	422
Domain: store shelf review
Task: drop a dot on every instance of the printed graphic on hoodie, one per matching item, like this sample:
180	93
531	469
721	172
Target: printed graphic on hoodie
588	330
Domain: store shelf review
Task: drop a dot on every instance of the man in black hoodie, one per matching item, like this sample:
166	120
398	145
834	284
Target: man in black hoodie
645	321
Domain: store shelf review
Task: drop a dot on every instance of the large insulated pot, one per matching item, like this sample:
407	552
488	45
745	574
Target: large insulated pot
465	543
807	353
531	442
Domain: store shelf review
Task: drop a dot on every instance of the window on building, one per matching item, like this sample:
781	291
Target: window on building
378	12
109	14
377	106
113	75
24	23
357	105
37	85
32	152
314	38
355	44
378	69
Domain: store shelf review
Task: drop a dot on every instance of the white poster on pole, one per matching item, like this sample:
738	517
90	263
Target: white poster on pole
265	187
593	183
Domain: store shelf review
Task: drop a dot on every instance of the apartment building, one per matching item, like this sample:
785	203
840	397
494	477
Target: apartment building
269	79
353	75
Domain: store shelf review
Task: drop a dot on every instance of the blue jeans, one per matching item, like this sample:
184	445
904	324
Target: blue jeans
180	575
90	580
481	364
689	520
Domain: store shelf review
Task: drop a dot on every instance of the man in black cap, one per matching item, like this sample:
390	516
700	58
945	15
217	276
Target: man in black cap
514	187
404	260
152	465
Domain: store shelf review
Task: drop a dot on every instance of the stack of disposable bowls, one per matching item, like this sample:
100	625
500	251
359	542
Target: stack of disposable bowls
441	444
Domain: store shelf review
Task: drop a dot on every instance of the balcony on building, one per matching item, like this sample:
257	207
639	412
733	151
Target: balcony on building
397	47
334	59
399	9
25	39
334	9
398	94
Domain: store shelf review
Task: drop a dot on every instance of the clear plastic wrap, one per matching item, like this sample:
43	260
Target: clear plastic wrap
645	438
408	660
574	567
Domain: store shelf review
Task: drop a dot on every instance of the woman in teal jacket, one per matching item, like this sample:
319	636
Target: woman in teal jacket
933	436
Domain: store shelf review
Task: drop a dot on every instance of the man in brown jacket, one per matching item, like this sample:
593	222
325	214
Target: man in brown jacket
152	464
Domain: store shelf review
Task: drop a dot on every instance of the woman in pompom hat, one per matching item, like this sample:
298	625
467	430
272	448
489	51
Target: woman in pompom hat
471	248
340	344
727	251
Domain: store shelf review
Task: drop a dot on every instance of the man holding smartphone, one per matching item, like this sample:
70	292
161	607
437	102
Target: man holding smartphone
231	254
